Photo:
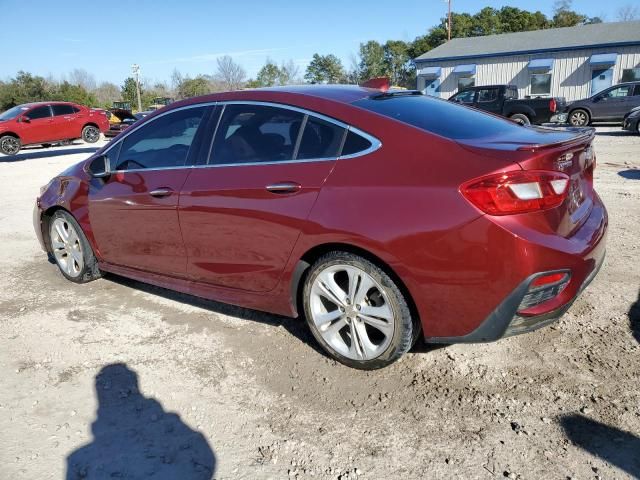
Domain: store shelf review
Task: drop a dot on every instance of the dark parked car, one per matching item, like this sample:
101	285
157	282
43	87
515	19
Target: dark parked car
126	119
609	105
631	121
380	216
503	100
49	122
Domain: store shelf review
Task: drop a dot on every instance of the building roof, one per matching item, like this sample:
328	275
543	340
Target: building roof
538	41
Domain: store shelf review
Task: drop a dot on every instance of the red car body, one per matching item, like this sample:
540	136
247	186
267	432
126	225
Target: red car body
63	121
405	204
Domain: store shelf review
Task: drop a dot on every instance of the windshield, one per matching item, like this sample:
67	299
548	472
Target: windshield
12	113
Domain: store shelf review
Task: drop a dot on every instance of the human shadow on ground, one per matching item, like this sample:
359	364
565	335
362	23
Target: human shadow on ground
45	153
611	444
634	319
631	174
134	437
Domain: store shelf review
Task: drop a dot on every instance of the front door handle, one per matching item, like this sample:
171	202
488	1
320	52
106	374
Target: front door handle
161	192
284	187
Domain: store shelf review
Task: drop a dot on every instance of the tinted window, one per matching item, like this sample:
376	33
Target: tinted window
354	143
62	109
439	116
540	83
465	97
164	142
636	91
512	93
618	92
39	112
487	94
320	139
75	109
256	133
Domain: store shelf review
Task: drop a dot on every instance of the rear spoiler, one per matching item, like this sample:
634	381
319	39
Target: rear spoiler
585	135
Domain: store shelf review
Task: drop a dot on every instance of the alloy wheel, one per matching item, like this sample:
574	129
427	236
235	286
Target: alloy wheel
92	134
579	119
350	310
10	145
66	247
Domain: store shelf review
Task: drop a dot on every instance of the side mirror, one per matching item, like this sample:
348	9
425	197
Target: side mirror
100	167
25	119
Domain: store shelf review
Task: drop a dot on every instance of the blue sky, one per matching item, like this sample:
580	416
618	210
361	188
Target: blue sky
54	37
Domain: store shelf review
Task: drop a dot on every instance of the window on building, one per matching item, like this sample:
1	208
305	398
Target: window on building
466	82
540	83
631	75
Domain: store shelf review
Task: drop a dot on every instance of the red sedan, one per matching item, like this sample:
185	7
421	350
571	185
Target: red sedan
49	122
379	216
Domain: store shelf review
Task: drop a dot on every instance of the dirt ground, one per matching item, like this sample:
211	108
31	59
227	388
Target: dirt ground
117	379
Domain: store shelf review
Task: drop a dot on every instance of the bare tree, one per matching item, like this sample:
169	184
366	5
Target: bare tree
289	73
628	12
230	74
176	80
81	77
106	93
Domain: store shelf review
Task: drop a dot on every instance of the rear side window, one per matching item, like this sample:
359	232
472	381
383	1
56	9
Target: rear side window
320	139
256	134
62	110
75	109
39	112
161	143
439	116
354	143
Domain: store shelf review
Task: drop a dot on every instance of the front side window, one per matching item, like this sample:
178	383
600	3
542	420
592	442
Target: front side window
256	134
62	110
466	82
464	97
320	139
540	83
161	143
39	112
618	92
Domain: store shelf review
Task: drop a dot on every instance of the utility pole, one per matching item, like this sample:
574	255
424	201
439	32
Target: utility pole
449	21
135	69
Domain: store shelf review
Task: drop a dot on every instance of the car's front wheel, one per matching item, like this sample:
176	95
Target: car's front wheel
71	250
9	145
357	312
579	118
90	134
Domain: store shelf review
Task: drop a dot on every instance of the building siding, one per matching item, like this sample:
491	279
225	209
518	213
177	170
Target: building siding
571	73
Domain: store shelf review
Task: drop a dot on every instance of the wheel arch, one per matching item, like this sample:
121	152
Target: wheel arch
303	265
90	124
10	134
45	218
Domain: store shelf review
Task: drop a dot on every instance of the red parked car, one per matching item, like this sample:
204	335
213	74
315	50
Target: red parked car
49	122
380	216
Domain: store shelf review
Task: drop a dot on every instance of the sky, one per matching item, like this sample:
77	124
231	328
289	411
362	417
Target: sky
53	37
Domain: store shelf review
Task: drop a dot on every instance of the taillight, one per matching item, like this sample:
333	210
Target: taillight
553	105
517	192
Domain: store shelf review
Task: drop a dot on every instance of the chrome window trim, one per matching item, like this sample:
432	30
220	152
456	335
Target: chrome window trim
375	143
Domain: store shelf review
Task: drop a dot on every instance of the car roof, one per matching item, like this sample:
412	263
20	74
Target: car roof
336	93
55	102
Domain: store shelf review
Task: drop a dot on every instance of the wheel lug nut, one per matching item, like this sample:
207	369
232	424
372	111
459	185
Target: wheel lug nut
358	307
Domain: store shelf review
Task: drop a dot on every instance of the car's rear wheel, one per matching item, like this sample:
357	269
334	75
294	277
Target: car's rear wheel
9	145
579	118
520	118
71	250
90	134
357	312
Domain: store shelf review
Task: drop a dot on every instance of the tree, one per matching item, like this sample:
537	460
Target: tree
193	87
372	61
564	16
269	75
324	69
128	91
68	92
24	88
289	73
106	93
81	77
398	63
628	13
230	74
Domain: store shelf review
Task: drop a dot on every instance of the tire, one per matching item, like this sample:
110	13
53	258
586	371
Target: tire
46	145
70	249
334	321
579	118
520	118
90	134
10	145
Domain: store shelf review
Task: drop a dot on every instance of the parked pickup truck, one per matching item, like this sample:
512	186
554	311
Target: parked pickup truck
503	100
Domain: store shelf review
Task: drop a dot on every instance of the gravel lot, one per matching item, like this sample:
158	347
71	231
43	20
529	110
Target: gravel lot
117	379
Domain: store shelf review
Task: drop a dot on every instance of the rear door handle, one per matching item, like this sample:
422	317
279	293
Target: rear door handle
284	187
161	192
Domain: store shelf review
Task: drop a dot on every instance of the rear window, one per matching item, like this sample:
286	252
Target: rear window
441	117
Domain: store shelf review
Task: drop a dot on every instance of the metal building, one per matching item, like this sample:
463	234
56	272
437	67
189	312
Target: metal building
573	62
